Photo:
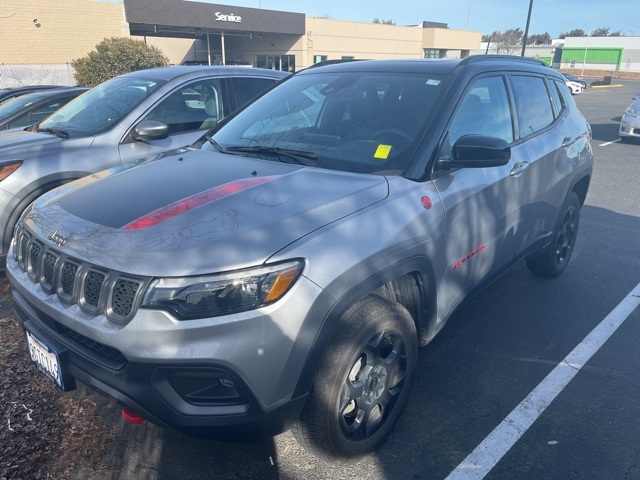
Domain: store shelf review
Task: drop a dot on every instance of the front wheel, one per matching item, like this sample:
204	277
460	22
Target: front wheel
362	383
555	258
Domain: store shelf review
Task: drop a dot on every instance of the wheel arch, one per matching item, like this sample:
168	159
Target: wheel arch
581	187
410	283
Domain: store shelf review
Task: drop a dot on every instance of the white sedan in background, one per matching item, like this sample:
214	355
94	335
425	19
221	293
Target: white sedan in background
630	123
574	87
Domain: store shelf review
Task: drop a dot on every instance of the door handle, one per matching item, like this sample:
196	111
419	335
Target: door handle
567	141
518	169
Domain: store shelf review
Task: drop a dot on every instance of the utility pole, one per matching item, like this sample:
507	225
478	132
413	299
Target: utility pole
526	30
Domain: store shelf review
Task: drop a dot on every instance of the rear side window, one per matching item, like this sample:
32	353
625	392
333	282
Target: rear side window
558	102
533	104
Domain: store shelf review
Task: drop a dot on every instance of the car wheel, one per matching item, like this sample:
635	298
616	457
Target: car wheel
555	258
362	383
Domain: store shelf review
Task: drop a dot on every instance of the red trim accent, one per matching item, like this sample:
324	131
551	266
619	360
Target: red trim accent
426	202
176	208
469	255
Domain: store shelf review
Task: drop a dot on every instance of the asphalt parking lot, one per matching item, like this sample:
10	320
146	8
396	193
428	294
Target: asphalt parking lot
492	354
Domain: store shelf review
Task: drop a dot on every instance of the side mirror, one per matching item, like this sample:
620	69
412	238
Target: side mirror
150	130
480	151
635	97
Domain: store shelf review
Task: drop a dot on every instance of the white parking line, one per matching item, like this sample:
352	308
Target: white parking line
609	143
486	455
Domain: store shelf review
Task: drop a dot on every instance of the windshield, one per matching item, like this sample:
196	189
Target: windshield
366	122
101	108
17	104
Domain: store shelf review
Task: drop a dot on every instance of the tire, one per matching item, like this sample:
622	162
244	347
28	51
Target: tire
555	258
362	384
626	139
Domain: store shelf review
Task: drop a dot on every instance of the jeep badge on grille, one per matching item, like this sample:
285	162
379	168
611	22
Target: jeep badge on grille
59	240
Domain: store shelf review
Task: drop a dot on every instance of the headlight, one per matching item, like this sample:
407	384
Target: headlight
631	111
213	295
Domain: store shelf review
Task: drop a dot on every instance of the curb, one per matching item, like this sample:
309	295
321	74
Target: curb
605	86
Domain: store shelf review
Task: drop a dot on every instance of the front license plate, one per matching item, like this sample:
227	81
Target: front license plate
46	358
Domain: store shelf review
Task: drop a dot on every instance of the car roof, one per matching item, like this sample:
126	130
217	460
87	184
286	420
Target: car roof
169	73
437	66
57	92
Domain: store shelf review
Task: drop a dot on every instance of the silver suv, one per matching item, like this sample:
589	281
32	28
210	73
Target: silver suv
284	270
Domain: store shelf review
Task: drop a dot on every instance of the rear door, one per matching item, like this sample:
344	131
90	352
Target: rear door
550	140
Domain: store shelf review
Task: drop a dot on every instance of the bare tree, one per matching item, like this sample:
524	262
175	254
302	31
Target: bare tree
600	32
539	39
576	32
507	42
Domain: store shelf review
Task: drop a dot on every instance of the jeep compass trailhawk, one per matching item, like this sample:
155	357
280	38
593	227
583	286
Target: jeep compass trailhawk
284	270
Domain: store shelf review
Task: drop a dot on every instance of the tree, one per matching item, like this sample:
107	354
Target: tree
576	32
600	32
507	42
115	56
383	22
539	39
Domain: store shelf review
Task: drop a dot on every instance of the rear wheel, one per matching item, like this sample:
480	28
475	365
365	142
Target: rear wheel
555	258
362	384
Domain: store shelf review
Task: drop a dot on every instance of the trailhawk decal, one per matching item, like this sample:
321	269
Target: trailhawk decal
469	255
181	206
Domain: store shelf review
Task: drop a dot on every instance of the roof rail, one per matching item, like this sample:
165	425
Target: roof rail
490	57
333	62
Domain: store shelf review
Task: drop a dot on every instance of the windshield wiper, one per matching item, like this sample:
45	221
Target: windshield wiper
215	144
300	157
60	133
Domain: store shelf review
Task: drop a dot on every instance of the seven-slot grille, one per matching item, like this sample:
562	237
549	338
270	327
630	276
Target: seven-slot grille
95	290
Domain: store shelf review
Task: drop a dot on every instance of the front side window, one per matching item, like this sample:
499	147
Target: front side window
363	122
532	103
193	107
247	88
102	107
484	110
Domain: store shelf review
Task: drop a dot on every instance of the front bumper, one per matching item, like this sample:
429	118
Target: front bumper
226	378
630	127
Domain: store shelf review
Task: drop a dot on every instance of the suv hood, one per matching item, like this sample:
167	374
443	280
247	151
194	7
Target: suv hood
195	213
22	144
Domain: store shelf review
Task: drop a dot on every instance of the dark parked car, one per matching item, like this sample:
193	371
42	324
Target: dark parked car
284	270
127	118
7	94
34	107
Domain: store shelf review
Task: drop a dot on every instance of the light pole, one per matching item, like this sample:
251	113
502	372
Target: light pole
526	29
586	47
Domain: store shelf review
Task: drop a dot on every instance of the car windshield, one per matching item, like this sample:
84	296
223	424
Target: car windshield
102	107
17	104
365	122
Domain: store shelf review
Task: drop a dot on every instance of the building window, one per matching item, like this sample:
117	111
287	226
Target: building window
319	58
286	63
344	57
434	53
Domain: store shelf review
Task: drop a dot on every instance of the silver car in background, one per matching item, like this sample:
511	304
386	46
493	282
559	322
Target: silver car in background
128	118
630	123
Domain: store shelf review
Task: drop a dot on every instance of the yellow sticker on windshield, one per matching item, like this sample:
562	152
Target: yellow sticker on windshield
382	152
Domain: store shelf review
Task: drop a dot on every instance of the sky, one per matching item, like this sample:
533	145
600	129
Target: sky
486	16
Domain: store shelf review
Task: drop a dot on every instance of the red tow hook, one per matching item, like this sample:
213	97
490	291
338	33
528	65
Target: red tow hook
131	417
